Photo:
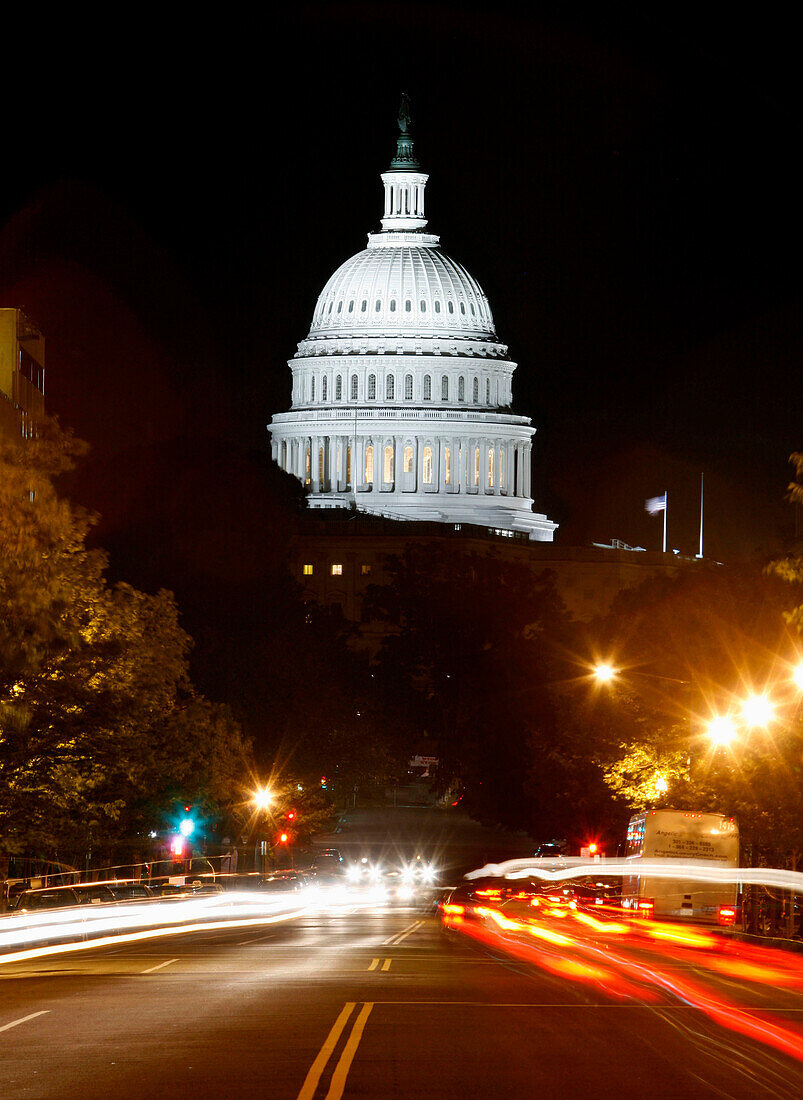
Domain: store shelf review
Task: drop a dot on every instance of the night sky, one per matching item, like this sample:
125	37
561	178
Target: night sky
624	186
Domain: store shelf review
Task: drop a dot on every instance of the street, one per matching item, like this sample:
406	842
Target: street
373	1004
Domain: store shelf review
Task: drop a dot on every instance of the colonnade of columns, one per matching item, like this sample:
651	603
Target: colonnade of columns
440	464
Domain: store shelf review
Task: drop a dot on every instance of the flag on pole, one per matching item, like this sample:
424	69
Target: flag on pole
656	504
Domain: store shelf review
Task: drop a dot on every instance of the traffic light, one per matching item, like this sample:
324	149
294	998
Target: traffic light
177	847
592	848
283	838
291	815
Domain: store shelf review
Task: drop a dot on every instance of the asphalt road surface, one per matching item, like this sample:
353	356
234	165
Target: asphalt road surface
358	1004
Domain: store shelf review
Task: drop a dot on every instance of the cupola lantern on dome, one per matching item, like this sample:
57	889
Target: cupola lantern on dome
401	389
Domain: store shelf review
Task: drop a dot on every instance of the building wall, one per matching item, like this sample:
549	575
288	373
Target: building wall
22	373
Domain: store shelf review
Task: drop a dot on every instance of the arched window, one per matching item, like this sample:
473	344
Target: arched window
392	305
338	388
423	306
340	307
473	314
390	388
476	391
444	388
369	464
408	459
371	387
324	388
451	307
388	471
364	306
378	306
312	388
307	465
487	391
330	307
427	465
462	307
354	387
408	305
476	465
490	467
501	468
427	388
437	306
321	460
447	465
461	388
351	307
408	387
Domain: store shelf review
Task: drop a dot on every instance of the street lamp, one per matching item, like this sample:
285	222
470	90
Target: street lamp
757	710
797	675
722	730
262	798
604	672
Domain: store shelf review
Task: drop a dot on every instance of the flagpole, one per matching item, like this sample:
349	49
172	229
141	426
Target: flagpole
666	509
701	515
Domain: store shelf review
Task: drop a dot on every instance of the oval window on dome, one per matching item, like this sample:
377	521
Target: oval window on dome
339	307
437	307
473	314
364	306
451	307
351	307
462	307
423	306
378	305
330	307
408	305
392	305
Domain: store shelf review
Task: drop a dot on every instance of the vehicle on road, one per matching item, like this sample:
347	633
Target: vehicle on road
680	835
61	897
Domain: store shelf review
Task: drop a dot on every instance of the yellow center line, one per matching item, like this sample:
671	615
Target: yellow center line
324	1054
338	1082
374	964
24	1020
386	964
159	966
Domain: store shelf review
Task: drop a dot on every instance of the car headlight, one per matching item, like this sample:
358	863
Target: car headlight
353	873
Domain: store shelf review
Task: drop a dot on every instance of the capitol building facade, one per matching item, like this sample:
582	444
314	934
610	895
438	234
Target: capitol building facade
401	391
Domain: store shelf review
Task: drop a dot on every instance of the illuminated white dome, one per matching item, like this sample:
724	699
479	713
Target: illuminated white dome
401	391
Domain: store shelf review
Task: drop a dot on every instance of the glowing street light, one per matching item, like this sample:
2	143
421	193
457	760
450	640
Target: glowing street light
661	784
797	675
757	710
262	798
604	672
722	730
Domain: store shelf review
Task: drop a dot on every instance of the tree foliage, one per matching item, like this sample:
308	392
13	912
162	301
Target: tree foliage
98	718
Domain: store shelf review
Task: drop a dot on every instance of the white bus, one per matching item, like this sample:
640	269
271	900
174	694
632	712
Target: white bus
682	835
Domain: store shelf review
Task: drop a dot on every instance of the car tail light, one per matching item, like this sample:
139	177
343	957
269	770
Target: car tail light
727	914
646	908
453	910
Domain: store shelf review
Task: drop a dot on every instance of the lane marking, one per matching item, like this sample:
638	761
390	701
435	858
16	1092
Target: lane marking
24	1019
374	964
391	939
386	964
159	966
325	1053
403	935
338	1082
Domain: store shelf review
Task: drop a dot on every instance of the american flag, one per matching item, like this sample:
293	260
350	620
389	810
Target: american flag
656	504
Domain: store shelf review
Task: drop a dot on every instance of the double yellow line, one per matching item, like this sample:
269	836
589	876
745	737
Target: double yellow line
338	1082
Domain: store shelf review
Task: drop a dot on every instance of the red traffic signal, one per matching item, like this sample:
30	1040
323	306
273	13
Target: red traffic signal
291	816
283	838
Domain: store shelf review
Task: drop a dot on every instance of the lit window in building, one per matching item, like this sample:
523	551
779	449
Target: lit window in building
408	387
337	569
324	389
365	569
408	460
321	460
444	388
371	387
308	569
307	467
476	465
490	467
338	388
427	465
447	465
427	388
390	387
476	394
348	465
461	388
501	468
354	387
369	465
388	471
